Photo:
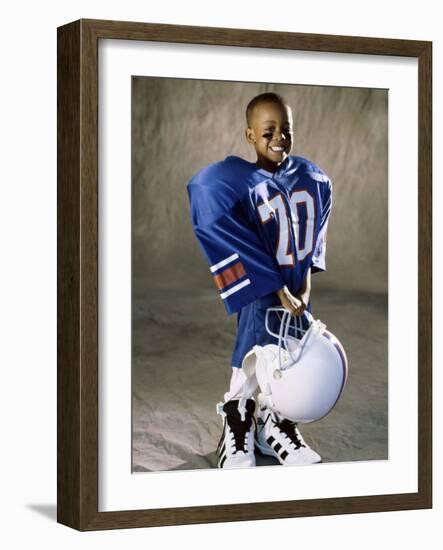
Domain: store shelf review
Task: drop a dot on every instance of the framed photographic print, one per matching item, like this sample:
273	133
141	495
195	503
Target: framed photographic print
189	156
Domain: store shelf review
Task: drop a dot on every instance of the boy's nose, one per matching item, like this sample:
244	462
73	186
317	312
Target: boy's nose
279	134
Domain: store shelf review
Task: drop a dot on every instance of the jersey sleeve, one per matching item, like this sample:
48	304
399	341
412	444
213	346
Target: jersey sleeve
318	262
241	268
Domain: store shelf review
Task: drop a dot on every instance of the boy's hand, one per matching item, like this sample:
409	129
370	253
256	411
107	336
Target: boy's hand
292	303
304	299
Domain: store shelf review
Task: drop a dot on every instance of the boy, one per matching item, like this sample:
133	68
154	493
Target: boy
262	228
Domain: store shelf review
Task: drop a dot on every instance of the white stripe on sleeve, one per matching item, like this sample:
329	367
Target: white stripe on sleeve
224	262
235	288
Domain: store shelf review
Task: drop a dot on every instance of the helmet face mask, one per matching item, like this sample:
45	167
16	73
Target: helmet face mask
300	379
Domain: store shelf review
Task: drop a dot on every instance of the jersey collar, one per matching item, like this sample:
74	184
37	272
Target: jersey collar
278	173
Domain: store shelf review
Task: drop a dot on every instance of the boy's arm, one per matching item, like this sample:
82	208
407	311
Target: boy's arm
298	303
241	267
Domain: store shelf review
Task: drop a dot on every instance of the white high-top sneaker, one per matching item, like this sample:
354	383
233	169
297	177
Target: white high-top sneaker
236	446
280	437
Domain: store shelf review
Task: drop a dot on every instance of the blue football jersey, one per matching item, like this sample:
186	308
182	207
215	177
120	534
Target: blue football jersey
260	230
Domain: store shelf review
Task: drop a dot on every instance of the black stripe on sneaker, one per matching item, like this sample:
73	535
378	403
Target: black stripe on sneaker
283	455
277	447
222	438
270	440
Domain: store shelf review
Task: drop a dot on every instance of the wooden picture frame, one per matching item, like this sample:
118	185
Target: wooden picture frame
77	172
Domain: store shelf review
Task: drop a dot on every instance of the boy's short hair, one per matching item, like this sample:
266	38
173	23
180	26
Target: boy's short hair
267	97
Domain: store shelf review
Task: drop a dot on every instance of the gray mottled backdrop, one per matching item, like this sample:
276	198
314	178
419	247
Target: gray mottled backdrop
181	334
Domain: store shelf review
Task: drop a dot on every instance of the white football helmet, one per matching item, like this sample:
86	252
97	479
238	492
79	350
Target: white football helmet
300	379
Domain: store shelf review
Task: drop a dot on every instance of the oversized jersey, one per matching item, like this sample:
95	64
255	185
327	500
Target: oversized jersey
260	230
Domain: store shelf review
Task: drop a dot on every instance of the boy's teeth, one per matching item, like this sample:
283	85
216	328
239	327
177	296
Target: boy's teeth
277	149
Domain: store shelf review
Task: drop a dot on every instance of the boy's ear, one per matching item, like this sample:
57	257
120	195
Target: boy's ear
250	135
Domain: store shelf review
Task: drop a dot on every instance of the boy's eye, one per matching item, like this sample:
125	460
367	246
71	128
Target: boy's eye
269	133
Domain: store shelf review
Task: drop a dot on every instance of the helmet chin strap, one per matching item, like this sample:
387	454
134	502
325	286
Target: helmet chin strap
265	400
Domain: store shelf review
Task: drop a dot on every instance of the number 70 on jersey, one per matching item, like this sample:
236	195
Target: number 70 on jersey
276	208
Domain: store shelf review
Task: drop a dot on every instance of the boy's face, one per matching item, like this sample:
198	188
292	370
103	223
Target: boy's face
270	132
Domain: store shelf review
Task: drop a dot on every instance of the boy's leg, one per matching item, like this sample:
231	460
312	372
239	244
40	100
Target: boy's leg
275	435
237	442
236	446
281	438
240	385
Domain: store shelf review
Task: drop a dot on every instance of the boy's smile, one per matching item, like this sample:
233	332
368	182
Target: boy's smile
270	133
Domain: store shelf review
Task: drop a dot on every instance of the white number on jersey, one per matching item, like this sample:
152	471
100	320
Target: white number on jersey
303	197
276	208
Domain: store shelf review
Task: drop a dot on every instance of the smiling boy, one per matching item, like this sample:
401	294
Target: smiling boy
270	131
262	227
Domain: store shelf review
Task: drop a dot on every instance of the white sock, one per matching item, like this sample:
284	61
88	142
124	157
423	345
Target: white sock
240	385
